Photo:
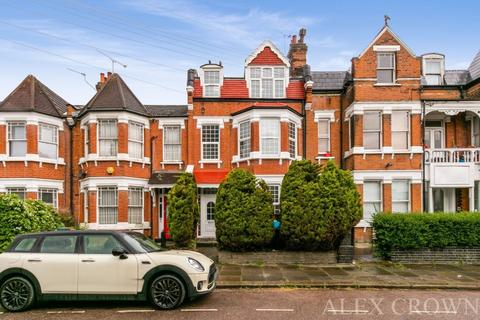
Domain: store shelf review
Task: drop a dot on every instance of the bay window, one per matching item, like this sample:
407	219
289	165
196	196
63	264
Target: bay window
372	130
135	140
107	137
172	147
212	83
267	82
49	196
270	136
20	192
211	142
244	137
135	205
323	136
107	205
400	130
400	196
386	67
372	199
292	140
275	191
17	139
47	141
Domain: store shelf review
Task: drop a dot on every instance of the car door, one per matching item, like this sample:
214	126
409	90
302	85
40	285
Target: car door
54	263
100	271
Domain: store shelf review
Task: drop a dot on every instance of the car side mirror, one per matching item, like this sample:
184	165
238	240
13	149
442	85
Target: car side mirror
119	252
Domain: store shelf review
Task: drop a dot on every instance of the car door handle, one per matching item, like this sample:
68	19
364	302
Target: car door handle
88	260
34	260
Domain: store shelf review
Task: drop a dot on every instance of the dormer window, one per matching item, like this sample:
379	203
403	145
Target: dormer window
267	82
386	67
433	69
212	83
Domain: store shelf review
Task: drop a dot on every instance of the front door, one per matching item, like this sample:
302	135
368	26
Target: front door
207	216
101	272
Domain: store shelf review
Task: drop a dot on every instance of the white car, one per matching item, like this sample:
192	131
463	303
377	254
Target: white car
85	265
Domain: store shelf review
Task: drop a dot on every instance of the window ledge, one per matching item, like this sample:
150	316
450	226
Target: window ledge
116	226
321	157
258	156
386	84
363	224
32	158
171	162
120	157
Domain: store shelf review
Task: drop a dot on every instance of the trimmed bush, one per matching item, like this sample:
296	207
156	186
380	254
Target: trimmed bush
318	205
183	212
426	230
243	212
24	216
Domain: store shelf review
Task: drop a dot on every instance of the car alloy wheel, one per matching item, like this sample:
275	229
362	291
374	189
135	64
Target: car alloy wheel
16	294
167	292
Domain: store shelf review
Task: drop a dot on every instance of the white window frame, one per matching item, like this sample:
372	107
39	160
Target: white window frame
439	74
244	137
392	68
323	136
138	220
274	75
208	84
366	201
275	202
475	134
292	139
166	129
380	130
16	190
351	132
132	141
111	206
10	124
203	143
49	190
407	131
262	137
87	139
100	139
54	143
408	201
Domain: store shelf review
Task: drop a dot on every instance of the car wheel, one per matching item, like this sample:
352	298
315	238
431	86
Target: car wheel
17	294
167	292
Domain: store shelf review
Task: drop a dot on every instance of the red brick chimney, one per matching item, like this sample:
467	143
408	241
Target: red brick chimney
102	81
298	54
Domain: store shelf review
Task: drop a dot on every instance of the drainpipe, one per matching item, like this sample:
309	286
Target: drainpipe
152	139
71	124
424	189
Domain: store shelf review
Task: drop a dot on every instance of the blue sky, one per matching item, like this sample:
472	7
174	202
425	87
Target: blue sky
159	40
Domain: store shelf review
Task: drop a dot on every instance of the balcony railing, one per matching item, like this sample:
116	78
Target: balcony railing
452	155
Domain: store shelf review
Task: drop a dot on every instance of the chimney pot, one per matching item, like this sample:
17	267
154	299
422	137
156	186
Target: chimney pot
302	34
294	39
108	74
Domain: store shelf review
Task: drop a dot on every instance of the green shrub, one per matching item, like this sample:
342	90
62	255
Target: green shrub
243	212
24	216
427	230
183	211
318	205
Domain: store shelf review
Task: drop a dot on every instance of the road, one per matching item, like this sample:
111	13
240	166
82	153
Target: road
282	304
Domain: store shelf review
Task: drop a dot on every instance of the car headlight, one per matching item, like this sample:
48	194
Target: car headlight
195	264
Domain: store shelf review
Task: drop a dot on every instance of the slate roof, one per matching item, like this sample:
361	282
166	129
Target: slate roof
164	177
160	110
330	80
115	95
32	95
457	77
474	67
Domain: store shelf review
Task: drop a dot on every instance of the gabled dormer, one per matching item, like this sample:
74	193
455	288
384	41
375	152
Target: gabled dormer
387	61
267	72
211	79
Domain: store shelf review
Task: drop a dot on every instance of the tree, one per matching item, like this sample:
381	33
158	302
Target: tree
243	212
183	210
318	205
24	216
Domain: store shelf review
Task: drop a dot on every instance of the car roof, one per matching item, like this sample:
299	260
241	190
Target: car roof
71	232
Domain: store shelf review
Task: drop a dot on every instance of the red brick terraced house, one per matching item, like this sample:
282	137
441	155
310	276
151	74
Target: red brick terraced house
407	129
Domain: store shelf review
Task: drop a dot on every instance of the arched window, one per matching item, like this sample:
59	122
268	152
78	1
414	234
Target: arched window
211	210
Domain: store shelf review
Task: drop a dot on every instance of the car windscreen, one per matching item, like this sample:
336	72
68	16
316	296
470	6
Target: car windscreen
141	243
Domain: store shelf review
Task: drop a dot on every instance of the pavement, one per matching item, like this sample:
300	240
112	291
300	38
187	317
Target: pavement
360	275
279	304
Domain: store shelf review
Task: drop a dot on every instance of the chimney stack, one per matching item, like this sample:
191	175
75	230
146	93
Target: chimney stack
102	81
298	54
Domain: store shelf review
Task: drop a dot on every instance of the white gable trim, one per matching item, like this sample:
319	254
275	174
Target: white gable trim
385	29
267	43
389	48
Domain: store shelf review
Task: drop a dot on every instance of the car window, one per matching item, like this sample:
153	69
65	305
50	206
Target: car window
25	245
100	244
140	243
58	244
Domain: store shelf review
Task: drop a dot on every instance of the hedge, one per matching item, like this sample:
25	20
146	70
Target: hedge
425	230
